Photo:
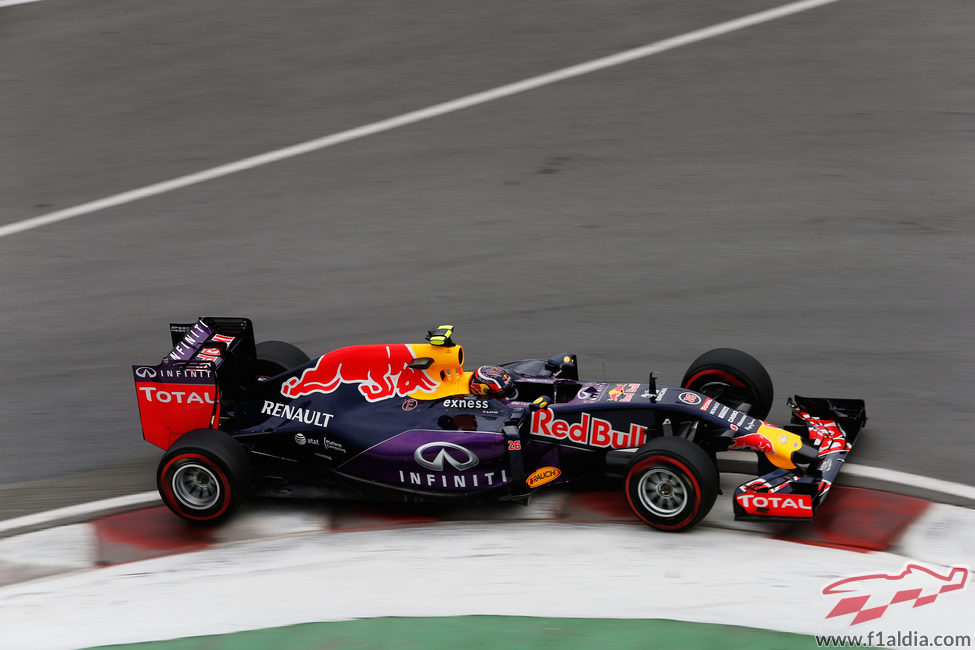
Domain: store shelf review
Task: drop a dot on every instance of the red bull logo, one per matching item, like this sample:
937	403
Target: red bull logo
380	371
590	431
622	392
755	441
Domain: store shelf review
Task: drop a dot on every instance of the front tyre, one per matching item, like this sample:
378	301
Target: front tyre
733	378
671	483
204	476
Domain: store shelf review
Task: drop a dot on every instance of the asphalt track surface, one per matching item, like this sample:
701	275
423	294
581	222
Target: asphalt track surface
800	189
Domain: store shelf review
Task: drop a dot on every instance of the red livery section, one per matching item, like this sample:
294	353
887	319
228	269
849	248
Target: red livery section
380	370
776	505
826	434
169	410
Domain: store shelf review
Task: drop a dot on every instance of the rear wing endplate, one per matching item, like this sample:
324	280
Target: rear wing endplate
211	361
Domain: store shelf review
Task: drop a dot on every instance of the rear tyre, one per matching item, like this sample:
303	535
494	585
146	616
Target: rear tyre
733	378
275	357
671	483
204	476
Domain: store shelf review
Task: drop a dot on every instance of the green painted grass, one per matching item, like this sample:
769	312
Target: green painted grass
483	632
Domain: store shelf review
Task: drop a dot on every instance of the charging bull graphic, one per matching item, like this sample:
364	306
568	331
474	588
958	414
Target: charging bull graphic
915	584
380	370
756	441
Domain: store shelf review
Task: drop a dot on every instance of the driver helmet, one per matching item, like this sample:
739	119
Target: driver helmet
492	381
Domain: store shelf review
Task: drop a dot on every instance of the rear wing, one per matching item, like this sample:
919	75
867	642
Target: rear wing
212	360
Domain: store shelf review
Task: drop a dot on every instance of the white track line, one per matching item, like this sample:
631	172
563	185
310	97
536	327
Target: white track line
417	116
10	3
935	485
81	512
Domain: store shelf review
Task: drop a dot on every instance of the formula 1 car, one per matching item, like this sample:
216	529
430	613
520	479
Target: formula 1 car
397	421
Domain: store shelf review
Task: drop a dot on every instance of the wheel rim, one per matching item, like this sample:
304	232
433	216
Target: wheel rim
196	486
662	492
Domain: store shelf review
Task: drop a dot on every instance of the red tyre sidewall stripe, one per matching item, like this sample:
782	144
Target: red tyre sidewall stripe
174	503
657	460
724	375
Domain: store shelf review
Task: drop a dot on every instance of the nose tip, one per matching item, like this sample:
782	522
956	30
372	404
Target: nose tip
805	455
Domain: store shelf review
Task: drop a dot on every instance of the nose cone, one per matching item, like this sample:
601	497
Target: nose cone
784	445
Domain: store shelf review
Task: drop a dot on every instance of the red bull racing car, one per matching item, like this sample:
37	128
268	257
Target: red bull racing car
407	422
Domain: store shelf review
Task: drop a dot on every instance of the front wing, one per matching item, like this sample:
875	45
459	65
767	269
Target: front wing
829	425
